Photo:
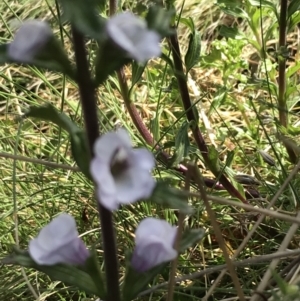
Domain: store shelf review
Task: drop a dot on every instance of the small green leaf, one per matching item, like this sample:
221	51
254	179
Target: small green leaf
68	274
92	268
137	71
167	60
80	152
3	54
233	8
52	58
159	20
50	113
182	143
188	22
189	238
136	282
85	16
293	21
293	7
108	60
78	141
231	32
193	53
264	3
170	197
214	162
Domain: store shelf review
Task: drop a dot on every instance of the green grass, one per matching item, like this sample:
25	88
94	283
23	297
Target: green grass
240	119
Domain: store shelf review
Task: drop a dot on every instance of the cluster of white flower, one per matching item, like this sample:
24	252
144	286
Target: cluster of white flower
122	174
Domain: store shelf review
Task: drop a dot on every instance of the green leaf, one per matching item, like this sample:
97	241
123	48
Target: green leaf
182	144
188	22
3	54
214	162
293	21
193	53
81	152
92	268
159	20
136	282
68	274
233	8
85	17
52	58
231	32
108	60
137	71
293	7
50	113
171	198
264	3
189	238
167	60
78	141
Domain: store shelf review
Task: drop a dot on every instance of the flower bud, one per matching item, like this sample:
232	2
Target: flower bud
132	35
30	39
154	240
58	242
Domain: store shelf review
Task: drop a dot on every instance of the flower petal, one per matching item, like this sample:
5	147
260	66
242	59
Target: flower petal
107	145
142	158
133	184
156	227
151	255
154	241
30	39
131	34
58	242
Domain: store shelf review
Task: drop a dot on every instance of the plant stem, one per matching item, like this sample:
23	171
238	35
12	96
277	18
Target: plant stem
179	73
88	101
282	107
177	242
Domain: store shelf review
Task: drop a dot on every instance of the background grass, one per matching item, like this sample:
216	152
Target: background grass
238	116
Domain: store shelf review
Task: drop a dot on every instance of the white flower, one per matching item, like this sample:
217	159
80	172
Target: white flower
132	35
154	240
29	40
122	174
58	242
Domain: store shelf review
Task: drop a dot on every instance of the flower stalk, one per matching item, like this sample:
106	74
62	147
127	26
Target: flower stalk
282	107
179	73
88	100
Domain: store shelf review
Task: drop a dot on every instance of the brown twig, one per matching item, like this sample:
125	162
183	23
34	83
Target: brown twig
179	73
218	233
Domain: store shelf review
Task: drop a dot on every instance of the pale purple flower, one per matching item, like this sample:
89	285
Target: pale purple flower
154	241
58	242
122	174
29	40
131	34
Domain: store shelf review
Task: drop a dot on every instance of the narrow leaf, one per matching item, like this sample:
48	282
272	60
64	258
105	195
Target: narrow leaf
77	136
85	16
189	238
68	274
171	198
192	56
137	72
